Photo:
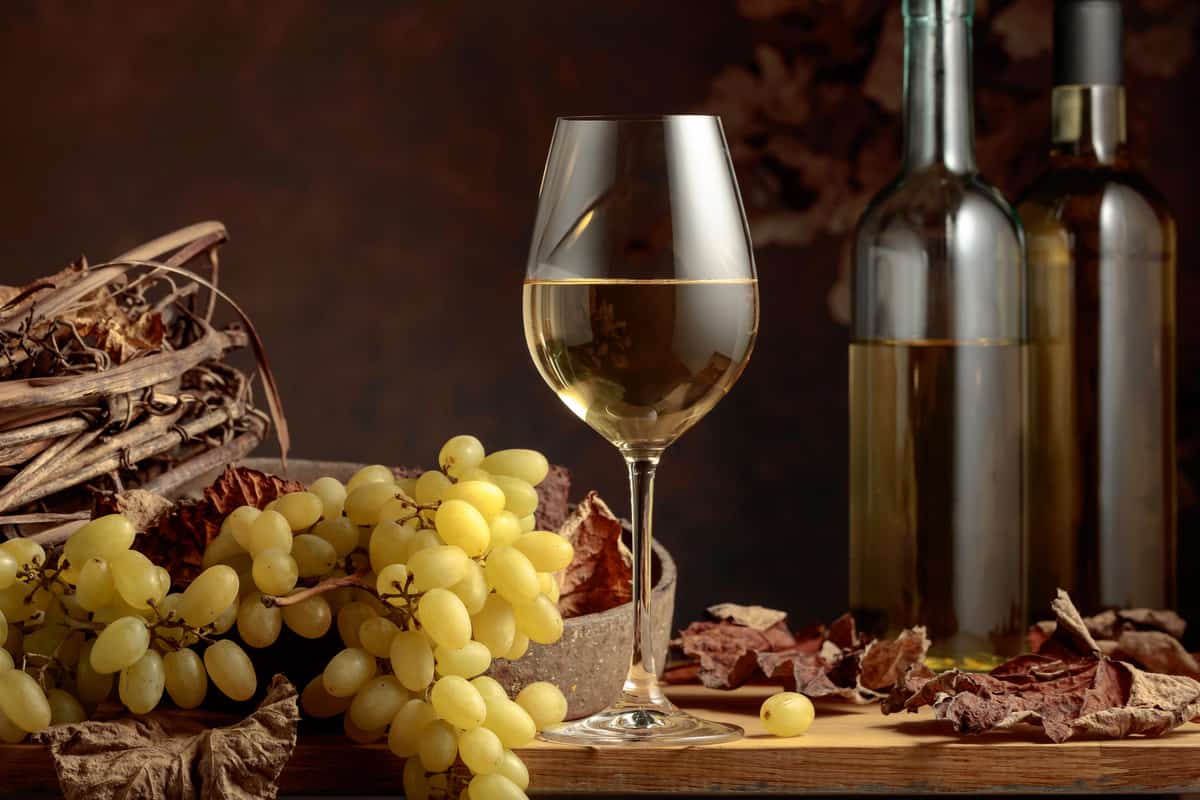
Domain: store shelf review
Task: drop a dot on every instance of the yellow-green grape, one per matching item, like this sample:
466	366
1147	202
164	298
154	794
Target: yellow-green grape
494	786
8	569
376	636
512	575
438	746
213	591
458	702
481	750
300	509
548	585
310	618
438	567
9	732
136	579
544	702
27	552
3	629
270	531
514	769
21	601
332	493
474	474
528	523
407	725
6	661
488	686
364	502
787	714
359	735
141	684
231	670
339	532
390	583
397	509
408	486
412	660
364	538
258	624
510	722
45	640
423	539
430	487
224	623
222	550
519	647
444	617
465	662
519	497
275	572
389	544
185	678
348	671
68	652
120	645
64	708
548	552
23	701
243	565
93	687
486	497
505	528
375	473
240	522
495	625
319	703
164	580
377	702
94	588
473	589
103	537
460	453
314	556
526	465
350	620
461	524
415	782
539	620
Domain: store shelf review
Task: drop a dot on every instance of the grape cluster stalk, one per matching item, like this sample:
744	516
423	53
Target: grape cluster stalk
426	580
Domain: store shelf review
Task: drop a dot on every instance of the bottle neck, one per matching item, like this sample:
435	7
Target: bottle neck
1089	122
939	115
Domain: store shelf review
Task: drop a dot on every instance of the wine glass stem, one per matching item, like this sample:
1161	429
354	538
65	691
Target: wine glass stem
641	685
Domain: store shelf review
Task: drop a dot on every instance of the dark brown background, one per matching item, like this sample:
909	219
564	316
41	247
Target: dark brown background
377	165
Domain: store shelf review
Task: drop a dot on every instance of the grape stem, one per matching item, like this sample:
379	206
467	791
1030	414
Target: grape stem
327	585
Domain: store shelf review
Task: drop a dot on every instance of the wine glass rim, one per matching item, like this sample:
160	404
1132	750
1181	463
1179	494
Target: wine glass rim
633	117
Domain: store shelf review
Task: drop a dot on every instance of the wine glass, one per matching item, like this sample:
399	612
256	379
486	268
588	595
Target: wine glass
641	309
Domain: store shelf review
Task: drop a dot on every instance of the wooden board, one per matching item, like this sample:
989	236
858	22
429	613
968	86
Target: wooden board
850	749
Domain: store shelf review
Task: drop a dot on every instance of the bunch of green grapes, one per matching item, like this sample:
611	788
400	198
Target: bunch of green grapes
427	580
95	613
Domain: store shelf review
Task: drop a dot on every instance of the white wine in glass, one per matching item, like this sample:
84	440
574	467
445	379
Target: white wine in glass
641	310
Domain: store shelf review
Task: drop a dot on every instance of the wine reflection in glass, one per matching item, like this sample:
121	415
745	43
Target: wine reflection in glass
641	309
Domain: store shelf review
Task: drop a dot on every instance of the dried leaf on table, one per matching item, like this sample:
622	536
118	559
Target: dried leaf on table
600	575
178	540
1147	637
750	642
173	755
1070	687
553	498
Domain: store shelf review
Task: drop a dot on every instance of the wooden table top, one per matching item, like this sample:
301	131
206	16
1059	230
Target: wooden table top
850	749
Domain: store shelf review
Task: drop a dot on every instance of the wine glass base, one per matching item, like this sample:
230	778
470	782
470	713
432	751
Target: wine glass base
649	726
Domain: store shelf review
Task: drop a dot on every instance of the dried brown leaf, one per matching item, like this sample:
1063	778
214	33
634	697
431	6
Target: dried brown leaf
171	755
553	499
759	618
728	653
1156	651
1069	688
600	576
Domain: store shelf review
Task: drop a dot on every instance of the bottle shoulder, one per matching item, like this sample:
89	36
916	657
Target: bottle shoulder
935	204
1064	189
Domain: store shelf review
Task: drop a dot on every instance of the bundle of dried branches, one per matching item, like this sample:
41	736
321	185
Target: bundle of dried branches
114	376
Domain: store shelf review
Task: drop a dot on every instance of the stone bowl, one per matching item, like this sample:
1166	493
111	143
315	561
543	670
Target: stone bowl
589	663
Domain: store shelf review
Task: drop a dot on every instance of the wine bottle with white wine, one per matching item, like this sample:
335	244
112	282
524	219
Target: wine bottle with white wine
1102	341
936	373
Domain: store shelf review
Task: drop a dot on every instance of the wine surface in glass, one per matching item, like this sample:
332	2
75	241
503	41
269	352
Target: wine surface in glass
641	361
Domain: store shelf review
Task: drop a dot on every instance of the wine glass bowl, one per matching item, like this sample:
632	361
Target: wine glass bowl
641	310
